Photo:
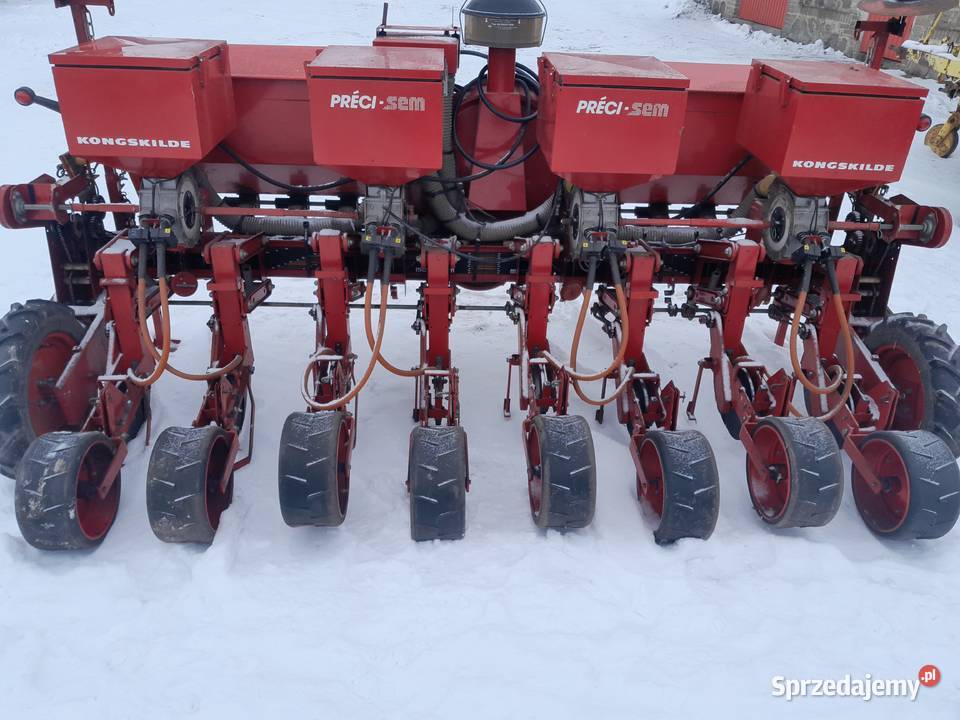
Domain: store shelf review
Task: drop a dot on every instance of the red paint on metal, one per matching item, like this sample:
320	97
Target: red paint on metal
894	41
96	512
905	375
377	113
501	70
771	13
610	99
439	306
187	112
882	505
650	477
769	478
449	45
814	124
48	362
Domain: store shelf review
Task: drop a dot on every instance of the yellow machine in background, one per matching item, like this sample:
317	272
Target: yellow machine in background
944	59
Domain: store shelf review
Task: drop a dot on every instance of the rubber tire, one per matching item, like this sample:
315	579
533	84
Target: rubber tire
22	331
934	485
953	139
569	472
45	496
691	492
937	357
308	470
731	421
730	418
817	477
177	492
437	479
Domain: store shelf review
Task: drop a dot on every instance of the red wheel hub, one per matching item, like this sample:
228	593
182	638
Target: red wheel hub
47	364
95	515
883	509
8	216
650	485
770	489
343	467
905	375
534	471
218	499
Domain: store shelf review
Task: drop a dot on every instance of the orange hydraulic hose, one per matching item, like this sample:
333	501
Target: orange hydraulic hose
381	326
606	401
847	334
624	334
195	377
795	358
368	326
164	357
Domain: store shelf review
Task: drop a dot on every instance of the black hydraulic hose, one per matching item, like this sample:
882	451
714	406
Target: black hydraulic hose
698	206
615	270
311	189
523	119
505	163
445	207
371	267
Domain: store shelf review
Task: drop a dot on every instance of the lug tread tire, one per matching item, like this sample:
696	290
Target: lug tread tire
934	485
816	472
46	491
691	492
437	479
177	484
937	357
308	470
569	472
21	332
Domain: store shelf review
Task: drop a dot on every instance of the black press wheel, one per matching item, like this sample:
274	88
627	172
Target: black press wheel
437	480
58	503
314	468
561	472
918	496
185	496
801	484
680	483
923	363
36	343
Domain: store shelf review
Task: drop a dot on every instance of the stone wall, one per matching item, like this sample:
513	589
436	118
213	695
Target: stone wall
832	21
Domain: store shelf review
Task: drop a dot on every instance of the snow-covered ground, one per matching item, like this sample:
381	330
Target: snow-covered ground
510	622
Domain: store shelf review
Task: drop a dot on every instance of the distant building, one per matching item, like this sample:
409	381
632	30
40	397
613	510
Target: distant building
830	21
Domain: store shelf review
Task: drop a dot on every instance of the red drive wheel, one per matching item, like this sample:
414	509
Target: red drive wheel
904	373
49	360
800	479
36	344
917	493
185	494
678	480
58	500
923	363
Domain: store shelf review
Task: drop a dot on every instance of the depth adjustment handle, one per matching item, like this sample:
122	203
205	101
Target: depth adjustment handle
26	96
